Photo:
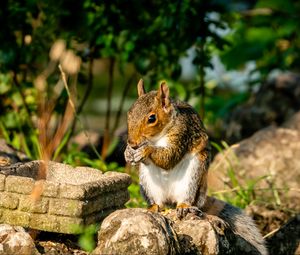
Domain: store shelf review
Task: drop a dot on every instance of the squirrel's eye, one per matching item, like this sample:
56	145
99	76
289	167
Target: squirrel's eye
152	118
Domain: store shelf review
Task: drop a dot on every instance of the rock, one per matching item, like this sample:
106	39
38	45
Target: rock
211	234
293	122
9	155
287	239
138	231
268	218
270	158
199	236
14	240
273	104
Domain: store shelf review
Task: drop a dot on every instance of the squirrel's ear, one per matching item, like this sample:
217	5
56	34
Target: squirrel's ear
163	94
141	88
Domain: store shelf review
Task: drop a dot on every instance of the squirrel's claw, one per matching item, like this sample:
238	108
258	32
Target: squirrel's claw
135	156
139	155
153	208
182	212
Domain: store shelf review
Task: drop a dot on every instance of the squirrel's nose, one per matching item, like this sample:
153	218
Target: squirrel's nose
132	144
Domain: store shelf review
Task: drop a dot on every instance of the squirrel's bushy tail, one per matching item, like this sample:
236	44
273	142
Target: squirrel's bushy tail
244	226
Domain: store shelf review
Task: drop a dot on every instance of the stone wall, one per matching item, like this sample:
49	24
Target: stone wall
70	196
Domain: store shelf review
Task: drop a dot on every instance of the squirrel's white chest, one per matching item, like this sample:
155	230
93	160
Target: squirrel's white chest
170	186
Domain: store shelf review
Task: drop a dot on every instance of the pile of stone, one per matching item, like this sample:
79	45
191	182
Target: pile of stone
66	198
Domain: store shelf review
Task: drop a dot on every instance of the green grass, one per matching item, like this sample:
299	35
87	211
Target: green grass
242	194
136	199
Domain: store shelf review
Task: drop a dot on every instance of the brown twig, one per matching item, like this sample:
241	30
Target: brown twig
49	144
87	91
67	118
271	233
106	138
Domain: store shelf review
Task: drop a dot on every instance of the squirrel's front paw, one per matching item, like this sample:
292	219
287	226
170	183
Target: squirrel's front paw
139	154
135	156
129	154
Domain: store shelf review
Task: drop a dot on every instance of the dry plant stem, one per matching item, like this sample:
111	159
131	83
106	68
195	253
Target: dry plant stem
121	105
106	138
67	118
49	144
64	79
39	186
271	233
87	91
62	128
74	110
45	112
42	124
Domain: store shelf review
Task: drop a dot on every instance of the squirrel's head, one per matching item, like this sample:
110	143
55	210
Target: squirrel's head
149	115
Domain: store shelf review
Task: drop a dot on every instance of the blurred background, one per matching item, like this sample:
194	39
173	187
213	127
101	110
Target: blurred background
69	69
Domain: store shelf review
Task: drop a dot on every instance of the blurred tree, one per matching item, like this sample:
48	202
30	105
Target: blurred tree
150	35
267	33
153	36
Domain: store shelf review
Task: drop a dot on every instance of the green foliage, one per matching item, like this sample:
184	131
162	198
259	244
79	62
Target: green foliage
15	119
73	156
153	35
145	37
150	36
86	239
268	34
136	199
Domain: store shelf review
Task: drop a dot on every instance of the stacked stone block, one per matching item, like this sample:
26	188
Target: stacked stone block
69	197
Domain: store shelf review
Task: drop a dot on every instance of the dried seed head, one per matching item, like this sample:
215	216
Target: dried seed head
70	62
57	50
27	39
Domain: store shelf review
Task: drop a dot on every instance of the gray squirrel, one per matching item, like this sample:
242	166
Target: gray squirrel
168	141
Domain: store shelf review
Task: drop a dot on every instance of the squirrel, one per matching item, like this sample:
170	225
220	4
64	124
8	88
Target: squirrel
168	141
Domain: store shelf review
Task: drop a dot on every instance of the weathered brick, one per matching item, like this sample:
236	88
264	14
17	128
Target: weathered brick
9	200
49	189
69	225
112	181
19	184
2	182
106	200
71	191
66	207
27	204
44	222
15	217
52	223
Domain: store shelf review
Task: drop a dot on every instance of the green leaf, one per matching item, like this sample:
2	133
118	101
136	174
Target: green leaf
62	144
